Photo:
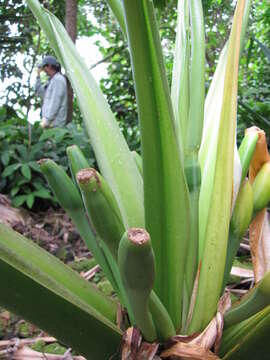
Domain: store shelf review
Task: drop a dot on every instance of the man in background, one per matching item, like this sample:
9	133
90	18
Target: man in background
53	93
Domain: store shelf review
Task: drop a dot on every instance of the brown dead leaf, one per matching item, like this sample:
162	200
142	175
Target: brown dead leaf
187	351
88	275
9	215
131	342
241	272
147	351
122	320
207	338
212	334
197	346
259	235
259	227
134	349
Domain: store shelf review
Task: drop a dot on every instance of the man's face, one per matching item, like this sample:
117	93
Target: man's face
49	70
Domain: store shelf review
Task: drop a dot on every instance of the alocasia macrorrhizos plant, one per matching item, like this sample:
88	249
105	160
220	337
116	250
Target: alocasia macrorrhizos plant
165	234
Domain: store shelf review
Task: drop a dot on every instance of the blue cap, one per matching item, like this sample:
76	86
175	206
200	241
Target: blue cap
49	60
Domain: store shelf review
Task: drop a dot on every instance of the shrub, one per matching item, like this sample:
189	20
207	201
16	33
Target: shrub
21	146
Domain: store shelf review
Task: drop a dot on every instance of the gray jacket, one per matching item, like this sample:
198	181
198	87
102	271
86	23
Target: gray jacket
54	96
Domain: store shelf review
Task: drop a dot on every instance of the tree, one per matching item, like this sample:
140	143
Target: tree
71	27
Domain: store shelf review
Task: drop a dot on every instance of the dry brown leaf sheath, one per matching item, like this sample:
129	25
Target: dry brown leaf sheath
198	347
261	154
187	351
259	232
259	237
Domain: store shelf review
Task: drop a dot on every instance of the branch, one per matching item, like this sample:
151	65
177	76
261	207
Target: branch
108	57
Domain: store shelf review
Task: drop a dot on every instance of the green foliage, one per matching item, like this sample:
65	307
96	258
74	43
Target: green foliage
21	146
254	89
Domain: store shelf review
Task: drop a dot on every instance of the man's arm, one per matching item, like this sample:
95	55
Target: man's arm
39	88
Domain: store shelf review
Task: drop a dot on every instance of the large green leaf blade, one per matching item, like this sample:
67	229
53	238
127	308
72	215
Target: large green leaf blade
180	75
117	9
188	93
208	149
166	199
37	286
214	253
111	150
248	339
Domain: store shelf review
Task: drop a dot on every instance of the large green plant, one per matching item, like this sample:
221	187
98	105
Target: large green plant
21	147
191	196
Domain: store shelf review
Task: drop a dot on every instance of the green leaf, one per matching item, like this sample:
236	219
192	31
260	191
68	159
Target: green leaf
10	169
51	133
217	228
113	156
55	298
180	76
19	200
254	301
208	149
264	49
34	166
188	92
23	151
248	339
5	157
117	9
26	171
30	200
43	193
14	191
166	200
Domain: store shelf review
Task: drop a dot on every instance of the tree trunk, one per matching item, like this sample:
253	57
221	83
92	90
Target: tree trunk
71	27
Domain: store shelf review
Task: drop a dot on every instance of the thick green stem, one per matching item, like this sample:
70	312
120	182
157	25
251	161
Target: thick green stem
246	151
102	208
261	188
163	323
69	198
137	269
82	224
77	160
241	218
119	287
